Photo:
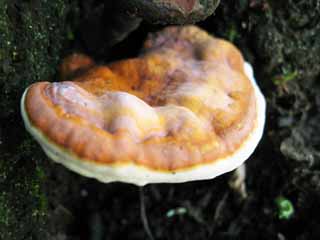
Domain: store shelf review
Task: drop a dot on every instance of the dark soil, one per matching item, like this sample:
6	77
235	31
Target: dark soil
43	200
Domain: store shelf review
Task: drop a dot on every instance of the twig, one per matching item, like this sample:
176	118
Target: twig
143	215
217	213
238	181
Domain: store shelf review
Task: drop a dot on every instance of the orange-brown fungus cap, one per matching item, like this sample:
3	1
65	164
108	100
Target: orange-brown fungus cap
186	109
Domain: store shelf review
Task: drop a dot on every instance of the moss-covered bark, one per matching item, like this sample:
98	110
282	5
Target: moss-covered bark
32	36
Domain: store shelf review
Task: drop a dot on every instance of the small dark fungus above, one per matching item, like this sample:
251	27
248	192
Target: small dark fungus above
186	109
171	11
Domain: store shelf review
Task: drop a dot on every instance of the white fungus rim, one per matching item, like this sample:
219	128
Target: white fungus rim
139	175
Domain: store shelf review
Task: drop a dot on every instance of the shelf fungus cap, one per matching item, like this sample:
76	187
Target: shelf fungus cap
188	108
171	11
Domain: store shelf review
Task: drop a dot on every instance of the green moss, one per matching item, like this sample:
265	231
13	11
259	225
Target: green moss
176	212
285	208
285	77
232	34
38	193
33	35
5	218
23	204
4	211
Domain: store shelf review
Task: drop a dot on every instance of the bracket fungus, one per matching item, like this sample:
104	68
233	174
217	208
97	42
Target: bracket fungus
188	108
